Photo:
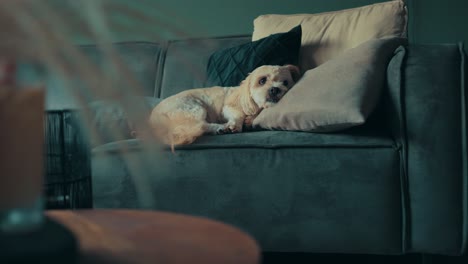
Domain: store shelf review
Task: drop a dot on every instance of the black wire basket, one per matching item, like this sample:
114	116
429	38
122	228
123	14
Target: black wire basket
67	162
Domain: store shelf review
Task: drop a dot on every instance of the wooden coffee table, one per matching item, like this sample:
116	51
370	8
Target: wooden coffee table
127	236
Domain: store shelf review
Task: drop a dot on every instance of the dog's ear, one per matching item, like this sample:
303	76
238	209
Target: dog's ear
248	105
295	72
246	80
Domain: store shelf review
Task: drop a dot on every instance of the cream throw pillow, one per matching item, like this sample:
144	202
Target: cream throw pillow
338	94
327	35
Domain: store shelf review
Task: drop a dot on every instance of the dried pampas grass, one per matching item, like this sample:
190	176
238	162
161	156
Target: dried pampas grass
44	32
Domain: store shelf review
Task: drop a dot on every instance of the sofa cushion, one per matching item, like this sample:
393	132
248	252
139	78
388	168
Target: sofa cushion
140	58
293	191
327	35
113	120
186	61
338	94
228	67
359	137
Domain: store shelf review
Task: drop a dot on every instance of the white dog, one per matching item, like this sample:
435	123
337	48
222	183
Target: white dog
182	118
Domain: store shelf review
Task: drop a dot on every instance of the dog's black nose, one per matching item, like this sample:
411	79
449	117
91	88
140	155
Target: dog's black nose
274	91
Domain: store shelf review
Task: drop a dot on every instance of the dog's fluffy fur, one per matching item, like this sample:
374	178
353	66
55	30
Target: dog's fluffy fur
182	118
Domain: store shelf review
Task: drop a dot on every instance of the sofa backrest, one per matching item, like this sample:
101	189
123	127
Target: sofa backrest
141	58
162	69
186	61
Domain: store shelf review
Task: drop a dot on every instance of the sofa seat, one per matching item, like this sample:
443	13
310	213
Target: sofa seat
289	189
273	140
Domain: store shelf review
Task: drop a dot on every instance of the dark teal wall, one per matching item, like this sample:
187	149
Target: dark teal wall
206	18
431	21
436	21
217	17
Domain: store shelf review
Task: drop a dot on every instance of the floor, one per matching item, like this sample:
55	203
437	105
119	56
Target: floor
307	258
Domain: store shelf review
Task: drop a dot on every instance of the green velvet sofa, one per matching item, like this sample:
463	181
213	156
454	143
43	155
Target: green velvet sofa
396	185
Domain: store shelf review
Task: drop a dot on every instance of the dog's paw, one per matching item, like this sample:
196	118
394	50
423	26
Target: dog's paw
229	128
222	131
248	123
234	128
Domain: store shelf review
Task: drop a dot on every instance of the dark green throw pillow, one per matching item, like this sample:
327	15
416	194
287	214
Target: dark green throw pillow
228	67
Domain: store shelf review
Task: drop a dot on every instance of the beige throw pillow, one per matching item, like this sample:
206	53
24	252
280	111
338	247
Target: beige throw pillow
338	94
327	35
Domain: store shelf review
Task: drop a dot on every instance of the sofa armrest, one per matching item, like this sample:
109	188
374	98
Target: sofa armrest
426	104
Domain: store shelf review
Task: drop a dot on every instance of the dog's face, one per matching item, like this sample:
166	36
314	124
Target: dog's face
268	84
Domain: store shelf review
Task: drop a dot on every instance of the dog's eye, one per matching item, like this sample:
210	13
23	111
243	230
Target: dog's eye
285	83
262	81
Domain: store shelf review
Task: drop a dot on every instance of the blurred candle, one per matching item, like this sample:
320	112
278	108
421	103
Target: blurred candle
21	153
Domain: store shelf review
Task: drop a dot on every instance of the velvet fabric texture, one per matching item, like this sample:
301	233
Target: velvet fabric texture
292	191
186	61
427	106
228	67
400	189
369	189
141	59
338	94
114	120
